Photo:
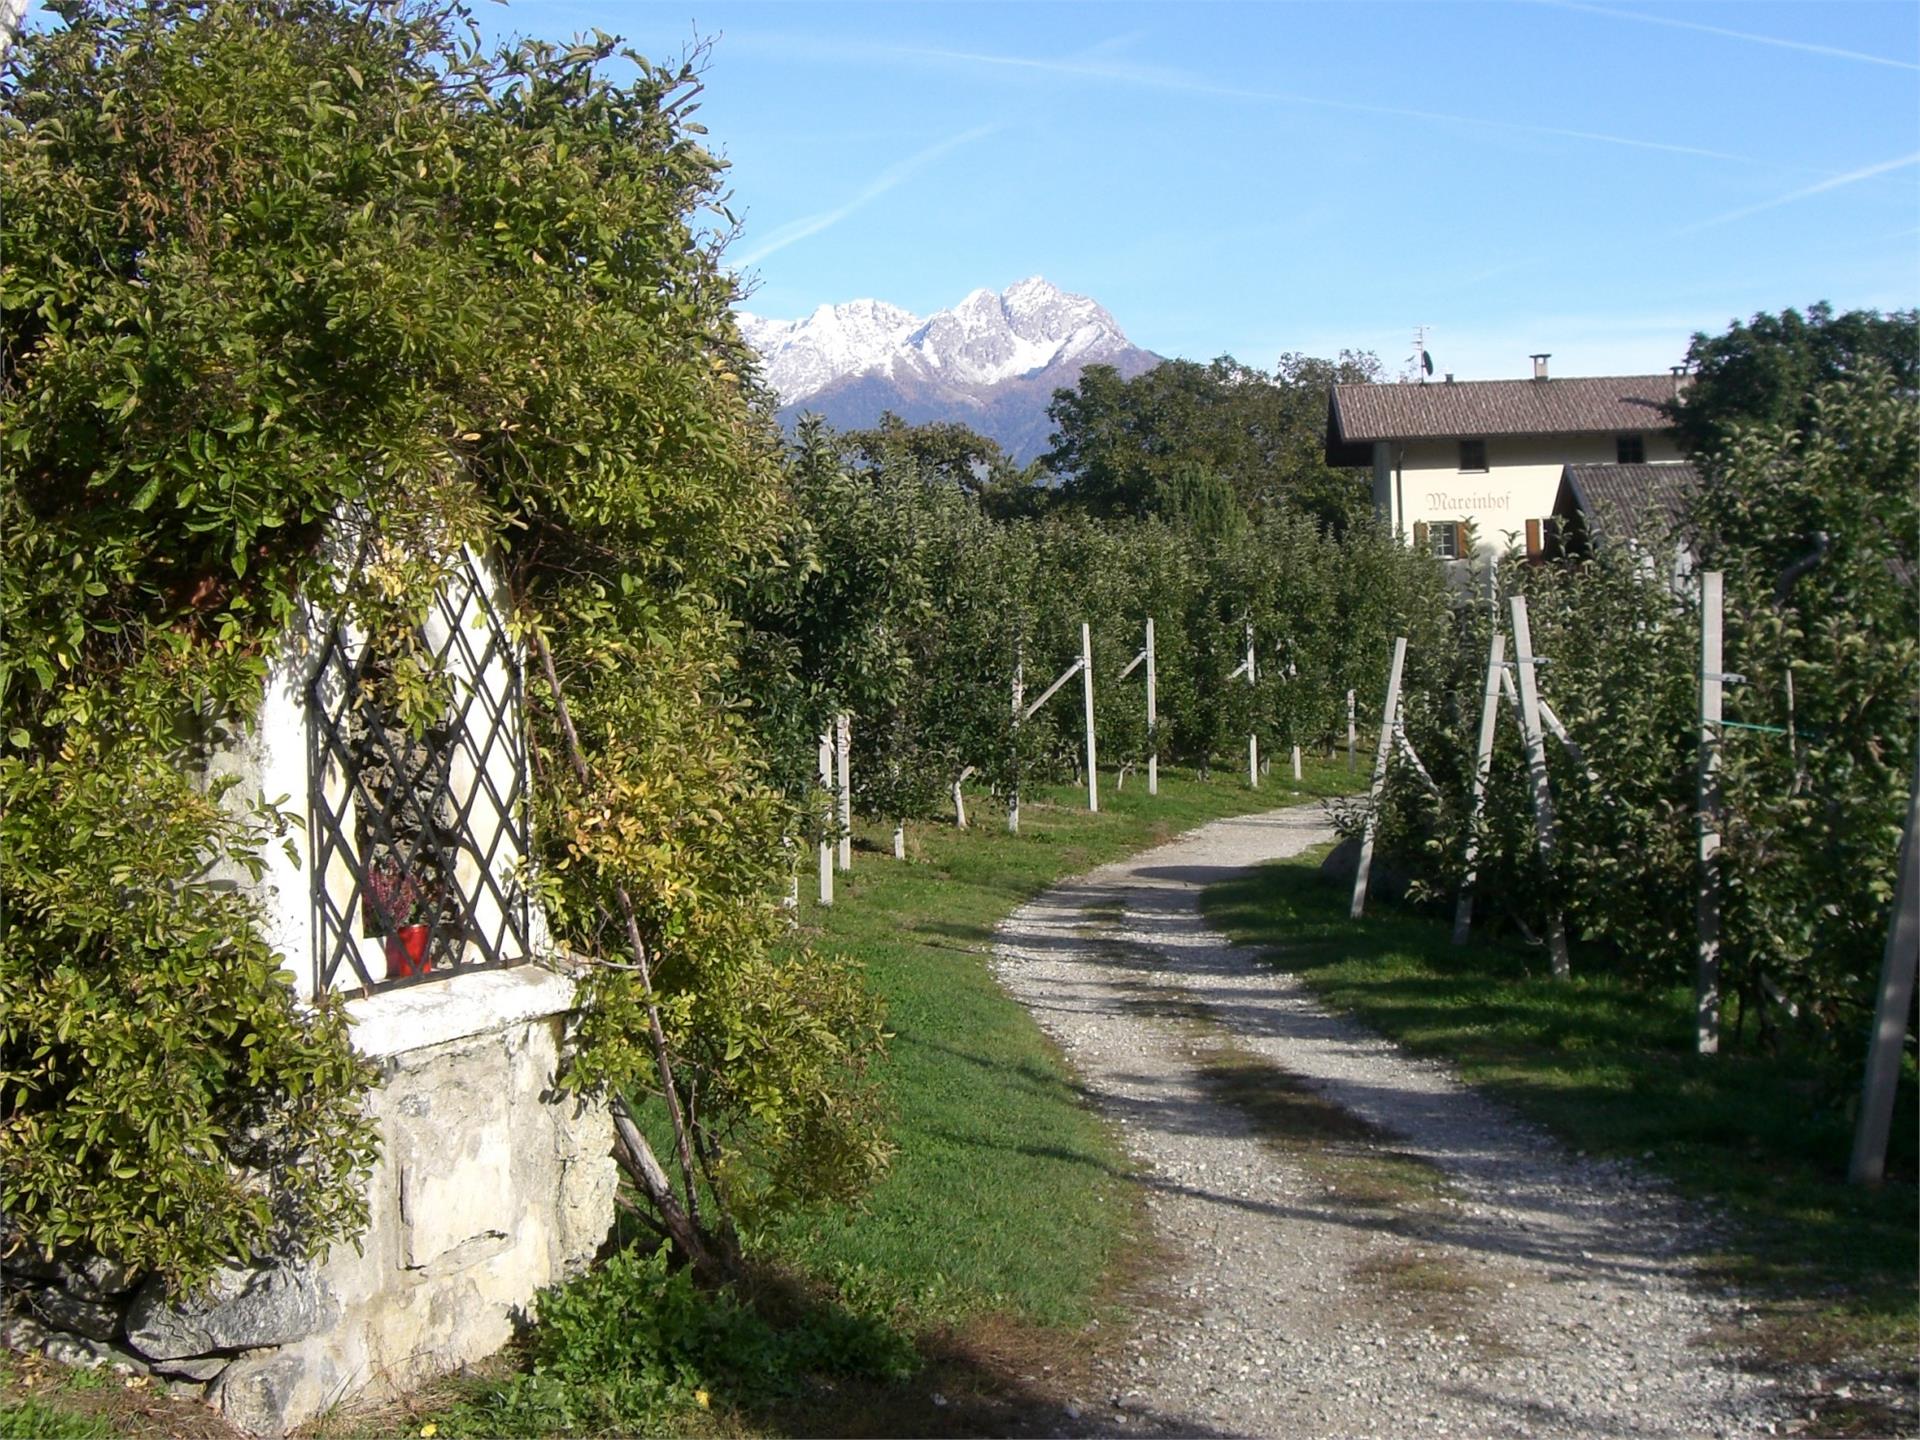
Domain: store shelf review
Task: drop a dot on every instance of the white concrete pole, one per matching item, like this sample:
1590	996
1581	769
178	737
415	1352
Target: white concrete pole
1019	701
1086	678
843	743
1389	719
1352	733
1543	827
1706	990
1296	762
960	800
826	842
1898	967
899	839
1153	719
1482	768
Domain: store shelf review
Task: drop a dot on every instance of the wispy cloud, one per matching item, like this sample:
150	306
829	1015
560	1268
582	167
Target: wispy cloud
1161	77
1675	23
795	231
1832	182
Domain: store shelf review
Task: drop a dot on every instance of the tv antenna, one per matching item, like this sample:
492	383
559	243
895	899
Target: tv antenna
1419	363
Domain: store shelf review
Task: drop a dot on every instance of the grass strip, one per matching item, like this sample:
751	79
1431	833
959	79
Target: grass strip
1609	1066
1007	1193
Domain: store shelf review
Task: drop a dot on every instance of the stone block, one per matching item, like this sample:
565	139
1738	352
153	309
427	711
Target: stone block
268	1394
241	1310
64	1310
199	1369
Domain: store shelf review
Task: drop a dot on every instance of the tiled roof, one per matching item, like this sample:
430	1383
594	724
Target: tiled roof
1578	405
1628	502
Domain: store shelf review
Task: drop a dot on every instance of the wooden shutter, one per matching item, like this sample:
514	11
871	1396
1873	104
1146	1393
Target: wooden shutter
1533	539
1420	542
1460	540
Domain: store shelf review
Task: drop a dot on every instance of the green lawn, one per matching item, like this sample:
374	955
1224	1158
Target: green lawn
1610	1067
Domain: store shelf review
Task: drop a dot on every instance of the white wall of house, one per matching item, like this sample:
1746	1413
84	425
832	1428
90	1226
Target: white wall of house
1420	481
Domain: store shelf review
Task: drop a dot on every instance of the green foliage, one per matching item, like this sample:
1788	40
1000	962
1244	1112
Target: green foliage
1768	370
636	1348
166	1103
36	1419
1816	533
299	299
1119	443
1828	635
909	607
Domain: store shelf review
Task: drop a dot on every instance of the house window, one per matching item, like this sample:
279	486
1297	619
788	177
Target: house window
1630	449
419	833
1442	539
1473	455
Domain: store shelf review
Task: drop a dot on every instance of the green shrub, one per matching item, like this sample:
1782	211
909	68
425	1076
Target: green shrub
636	1346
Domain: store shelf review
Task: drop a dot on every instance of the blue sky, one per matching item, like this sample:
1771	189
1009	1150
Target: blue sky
1593	180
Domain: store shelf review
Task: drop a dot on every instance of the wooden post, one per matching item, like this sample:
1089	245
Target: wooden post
1706	989
1253	740
843	748
826	842
1482	768
1352	733
1524	664
1389	718
1019	698
1153	719
1086	679
1898	967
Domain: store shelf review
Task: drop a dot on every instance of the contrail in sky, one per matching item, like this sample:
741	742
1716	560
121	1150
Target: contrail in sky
1832	183
1806	46
1161	78
807	225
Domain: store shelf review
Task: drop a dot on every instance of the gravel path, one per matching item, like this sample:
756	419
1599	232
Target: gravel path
1520	1291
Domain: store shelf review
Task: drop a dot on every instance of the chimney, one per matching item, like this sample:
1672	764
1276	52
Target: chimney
1449	377
1679	380
1540	365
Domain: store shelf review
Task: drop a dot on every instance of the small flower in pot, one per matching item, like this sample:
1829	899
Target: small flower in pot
401	906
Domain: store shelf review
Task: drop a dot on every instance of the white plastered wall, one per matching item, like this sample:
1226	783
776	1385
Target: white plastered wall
1421	482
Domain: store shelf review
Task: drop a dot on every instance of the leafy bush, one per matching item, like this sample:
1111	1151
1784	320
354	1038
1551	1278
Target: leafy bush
1815	530
299	299
636	1346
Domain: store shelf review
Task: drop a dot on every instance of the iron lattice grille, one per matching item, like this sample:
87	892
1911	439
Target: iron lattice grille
419	838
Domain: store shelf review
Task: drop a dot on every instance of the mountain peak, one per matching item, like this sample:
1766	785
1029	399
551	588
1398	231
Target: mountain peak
985	339
992	360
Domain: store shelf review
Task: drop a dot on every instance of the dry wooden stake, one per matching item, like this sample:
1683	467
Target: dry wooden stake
1153	720
1389	718
826	842
1706	989
843	750
1086	677
1898	968
1482	768
1019	695
1525	664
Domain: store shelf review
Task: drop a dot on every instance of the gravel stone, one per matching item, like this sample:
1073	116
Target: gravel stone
1577	1310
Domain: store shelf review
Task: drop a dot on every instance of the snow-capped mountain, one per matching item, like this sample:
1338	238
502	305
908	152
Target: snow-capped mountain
992	361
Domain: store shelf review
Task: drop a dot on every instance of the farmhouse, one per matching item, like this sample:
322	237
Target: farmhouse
1471	466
